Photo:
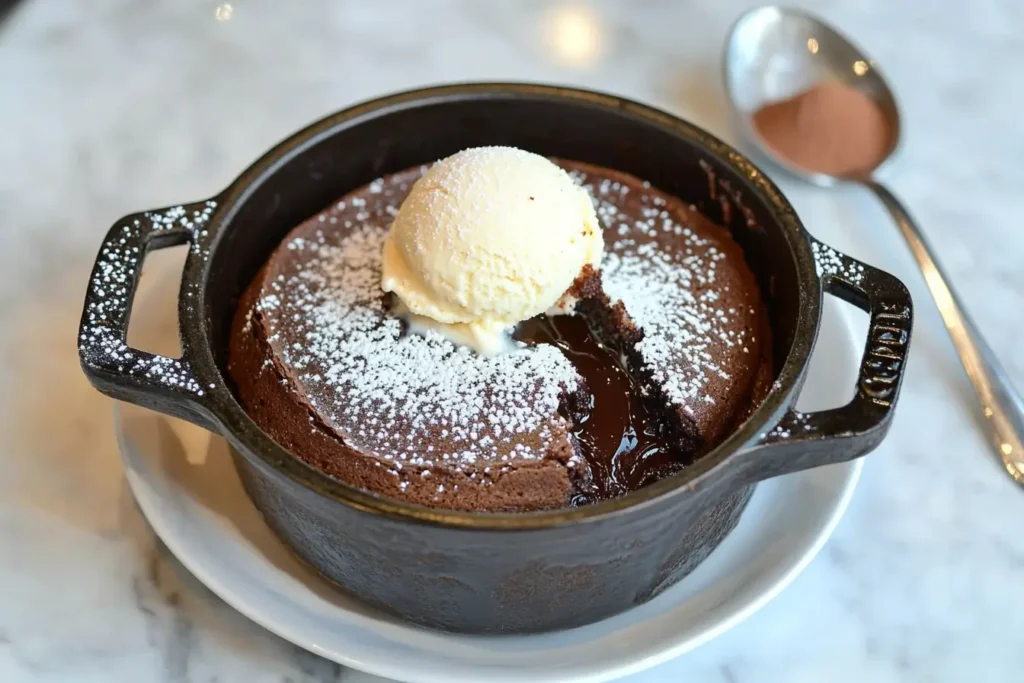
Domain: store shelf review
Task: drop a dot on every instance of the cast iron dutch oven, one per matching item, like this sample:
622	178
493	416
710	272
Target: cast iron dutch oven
478	572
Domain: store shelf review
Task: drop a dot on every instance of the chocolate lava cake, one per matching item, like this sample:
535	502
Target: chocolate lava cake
669	349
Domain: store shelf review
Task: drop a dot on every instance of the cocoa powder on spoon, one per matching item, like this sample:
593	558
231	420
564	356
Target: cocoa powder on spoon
830	128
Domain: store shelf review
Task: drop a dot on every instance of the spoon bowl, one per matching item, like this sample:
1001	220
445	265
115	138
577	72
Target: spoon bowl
773	53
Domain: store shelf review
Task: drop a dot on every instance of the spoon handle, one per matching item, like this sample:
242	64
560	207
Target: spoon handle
1000	403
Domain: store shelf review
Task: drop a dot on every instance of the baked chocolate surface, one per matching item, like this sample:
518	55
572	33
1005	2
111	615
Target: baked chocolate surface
669	350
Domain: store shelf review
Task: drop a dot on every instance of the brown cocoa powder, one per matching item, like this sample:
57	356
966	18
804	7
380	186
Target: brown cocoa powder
830	128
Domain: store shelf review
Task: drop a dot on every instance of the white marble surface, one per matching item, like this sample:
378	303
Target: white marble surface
110	106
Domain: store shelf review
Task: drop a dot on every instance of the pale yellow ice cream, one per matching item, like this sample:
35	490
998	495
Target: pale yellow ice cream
487	238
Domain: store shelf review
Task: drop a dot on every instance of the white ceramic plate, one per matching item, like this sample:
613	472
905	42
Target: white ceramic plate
185	485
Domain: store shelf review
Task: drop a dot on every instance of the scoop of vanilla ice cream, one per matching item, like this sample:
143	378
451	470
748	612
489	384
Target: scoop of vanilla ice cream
487	238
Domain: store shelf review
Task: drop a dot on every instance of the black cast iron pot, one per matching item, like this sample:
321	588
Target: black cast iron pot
478	572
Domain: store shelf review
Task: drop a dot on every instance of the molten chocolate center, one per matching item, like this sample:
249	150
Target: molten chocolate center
624	442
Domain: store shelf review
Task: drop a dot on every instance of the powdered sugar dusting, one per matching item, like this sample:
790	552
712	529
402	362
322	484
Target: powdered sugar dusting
409	399
667	276
829	261
102	335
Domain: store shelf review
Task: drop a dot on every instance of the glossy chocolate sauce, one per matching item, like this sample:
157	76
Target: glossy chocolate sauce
624	442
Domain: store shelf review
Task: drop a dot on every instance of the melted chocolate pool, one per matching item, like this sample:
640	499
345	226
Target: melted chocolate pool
624	442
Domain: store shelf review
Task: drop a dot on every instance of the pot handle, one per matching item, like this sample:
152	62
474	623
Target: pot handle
165	384
801	441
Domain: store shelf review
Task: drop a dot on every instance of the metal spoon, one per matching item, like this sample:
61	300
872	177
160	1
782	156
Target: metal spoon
771	54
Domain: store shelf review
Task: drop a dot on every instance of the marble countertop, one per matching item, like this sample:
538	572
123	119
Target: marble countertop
112	106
